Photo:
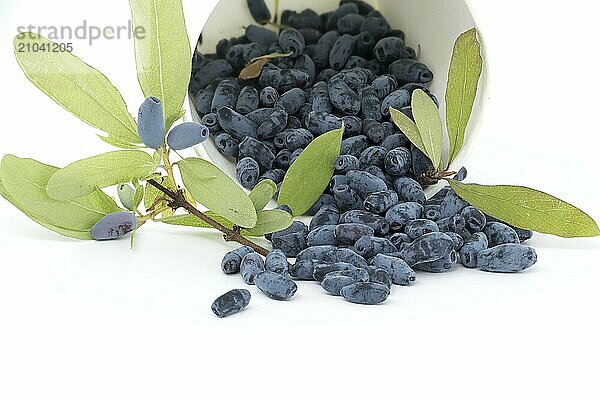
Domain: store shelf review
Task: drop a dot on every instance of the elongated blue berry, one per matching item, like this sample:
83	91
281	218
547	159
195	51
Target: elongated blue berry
277	262
231	302
151	123
399	270
276	286
499	233
350	233
259	11
186	135
335	281
368	293
252	264
472	246
303	270
114	226
324	268
509	257
369	246
232	260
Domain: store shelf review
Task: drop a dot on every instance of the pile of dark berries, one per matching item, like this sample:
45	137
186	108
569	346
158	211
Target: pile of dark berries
347	65
374	226
360	249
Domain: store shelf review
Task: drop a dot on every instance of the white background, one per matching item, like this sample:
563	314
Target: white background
98	321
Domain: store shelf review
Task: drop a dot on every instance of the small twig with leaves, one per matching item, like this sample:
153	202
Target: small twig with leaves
178	200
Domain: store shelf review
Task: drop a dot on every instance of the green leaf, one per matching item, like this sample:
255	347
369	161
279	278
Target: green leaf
82	177
163	55
263	193
24	185
429	123
408	127
152	193
463	79
268	221
78	88
195	222
215	190
139	197
119	143
528	209
310	174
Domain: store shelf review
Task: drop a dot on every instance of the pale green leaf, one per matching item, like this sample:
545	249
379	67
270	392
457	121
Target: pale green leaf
78	88
429	123
528	209
119	143
310	174
195	222
270	221
139	196
215	190
152	193
463	79
24	185
263	193
408	127
108	169
163	55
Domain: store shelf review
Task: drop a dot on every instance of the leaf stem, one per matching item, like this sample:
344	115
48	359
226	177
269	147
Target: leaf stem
169	166
230	235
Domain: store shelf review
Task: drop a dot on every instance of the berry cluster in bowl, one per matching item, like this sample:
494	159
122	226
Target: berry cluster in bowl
346	66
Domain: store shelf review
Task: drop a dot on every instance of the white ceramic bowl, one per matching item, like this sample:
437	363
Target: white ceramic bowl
433	25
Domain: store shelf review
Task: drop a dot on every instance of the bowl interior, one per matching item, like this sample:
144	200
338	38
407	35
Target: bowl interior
430	25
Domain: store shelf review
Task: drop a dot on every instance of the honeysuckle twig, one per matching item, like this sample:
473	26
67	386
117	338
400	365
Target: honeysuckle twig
433	176
230	235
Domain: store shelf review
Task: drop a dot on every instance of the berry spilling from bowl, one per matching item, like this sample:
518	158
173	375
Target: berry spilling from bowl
266	95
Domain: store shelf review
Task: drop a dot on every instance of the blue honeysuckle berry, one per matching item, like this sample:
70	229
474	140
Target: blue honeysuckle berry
472	246
276	286
335	281
303	270
340	12
151	123
187	135
252	264
368	293
499	233
364	183
369	246
231	302
398	269
350	233
377	222
350	23
419	227
259	11
428	248
114	226
232	260
276	261
322	235
510	257
325	267
328	214
381	276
